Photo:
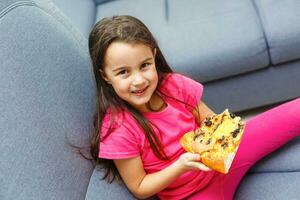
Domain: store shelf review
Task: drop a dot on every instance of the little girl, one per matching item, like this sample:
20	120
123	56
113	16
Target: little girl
143	109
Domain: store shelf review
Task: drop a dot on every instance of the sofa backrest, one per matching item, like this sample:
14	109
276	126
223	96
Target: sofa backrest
207	40
47	94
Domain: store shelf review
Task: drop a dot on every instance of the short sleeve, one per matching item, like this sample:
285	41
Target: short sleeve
191	91
183	88
119	144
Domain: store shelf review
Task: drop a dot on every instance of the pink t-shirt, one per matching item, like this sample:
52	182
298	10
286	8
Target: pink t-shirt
127	138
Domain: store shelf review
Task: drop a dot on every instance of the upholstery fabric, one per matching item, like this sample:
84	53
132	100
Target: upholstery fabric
152	13
212	41
277	161
275	186
246	91
98	187
80	12
281	25
47	94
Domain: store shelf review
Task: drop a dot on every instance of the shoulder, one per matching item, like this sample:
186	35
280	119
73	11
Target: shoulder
182	88
177	79
179	83
173	77
120	136
171	82
121	121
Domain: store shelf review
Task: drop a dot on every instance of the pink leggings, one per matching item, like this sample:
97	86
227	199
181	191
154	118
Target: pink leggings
263	134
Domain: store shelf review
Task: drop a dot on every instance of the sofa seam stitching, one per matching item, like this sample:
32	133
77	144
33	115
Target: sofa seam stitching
263	30
167	10
10	7
15	5
96	12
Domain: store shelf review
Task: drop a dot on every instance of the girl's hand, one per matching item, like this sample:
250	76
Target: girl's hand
191	161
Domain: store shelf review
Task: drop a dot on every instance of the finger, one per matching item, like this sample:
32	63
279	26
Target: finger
194	157
201	166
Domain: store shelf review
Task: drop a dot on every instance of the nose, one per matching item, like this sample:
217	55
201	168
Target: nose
138	79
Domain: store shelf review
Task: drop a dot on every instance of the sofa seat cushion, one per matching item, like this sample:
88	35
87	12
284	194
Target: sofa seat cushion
275	186
254	89
217	39
115	190
280	20
284	159
97	187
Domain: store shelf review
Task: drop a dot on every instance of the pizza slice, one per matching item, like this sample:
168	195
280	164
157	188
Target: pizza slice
216	140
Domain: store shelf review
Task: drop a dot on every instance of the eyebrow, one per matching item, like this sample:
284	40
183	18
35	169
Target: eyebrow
122	67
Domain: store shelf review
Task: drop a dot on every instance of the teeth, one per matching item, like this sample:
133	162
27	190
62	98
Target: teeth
139	91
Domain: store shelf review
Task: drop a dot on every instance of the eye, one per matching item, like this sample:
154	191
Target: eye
122	72
145	65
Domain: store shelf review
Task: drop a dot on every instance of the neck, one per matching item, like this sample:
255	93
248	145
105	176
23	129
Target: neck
156	103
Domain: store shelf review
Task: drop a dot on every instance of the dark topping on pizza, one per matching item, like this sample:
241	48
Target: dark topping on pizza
241	126
208	118
196	136
232	115
221	139
235	133
198	133
224	145
208	123
208	141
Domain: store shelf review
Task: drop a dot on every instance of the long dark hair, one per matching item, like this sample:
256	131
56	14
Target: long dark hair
130	30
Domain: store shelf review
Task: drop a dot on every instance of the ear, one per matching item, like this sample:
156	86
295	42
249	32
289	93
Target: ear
103	75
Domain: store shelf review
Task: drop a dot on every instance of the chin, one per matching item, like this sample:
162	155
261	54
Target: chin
139	104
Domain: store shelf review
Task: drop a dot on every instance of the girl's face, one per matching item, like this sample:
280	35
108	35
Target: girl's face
130	69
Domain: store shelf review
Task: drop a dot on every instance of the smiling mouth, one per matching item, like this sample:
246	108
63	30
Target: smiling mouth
140	92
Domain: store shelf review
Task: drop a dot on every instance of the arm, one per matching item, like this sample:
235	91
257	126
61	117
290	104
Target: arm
201	112
144	185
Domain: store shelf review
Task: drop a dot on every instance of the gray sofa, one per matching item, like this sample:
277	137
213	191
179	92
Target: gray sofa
246	53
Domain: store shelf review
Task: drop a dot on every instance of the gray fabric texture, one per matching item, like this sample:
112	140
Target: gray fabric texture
152	13
102	1
115	190
47	93
99	187
285	159
216	39
247	91
81	13
280	21
275	186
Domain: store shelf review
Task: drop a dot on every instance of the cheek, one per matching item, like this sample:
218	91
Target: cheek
121	87
154	76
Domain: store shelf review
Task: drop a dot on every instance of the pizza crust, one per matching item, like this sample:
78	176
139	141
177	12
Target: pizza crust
216	140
